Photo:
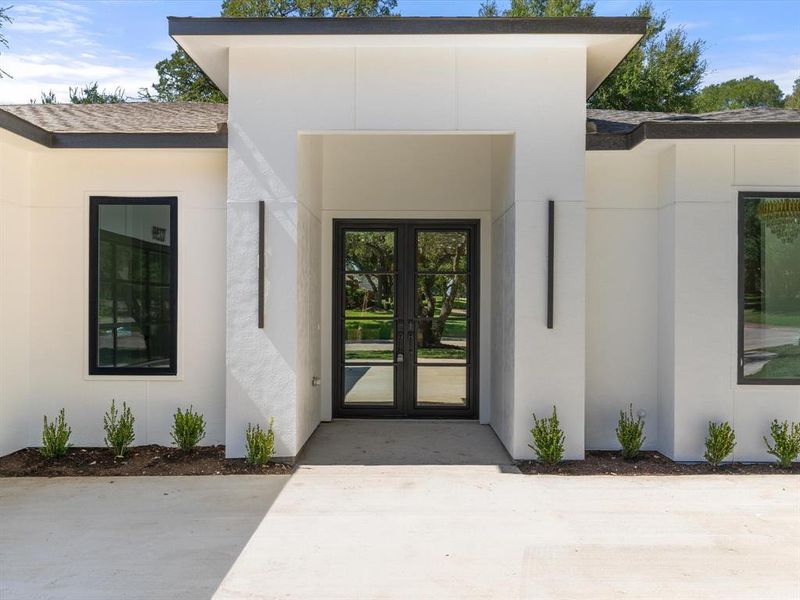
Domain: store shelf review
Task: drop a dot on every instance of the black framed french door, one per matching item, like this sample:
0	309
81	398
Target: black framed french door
405	318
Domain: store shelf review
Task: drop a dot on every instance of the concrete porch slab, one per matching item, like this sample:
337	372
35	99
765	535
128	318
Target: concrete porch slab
403	442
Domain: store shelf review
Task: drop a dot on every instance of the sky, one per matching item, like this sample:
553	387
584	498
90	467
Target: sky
55	44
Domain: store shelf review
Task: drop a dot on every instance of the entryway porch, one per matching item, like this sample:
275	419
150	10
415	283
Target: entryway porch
403	442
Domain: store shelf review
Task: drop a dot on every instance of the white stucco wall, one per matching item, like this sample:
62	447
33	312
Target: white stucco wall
277	93
662	292
16	421
621	293
56	293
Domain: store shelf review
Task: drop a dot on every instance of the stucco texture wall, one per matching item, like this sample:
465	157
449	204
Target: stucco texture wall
61	182
277	94
16	420
662	298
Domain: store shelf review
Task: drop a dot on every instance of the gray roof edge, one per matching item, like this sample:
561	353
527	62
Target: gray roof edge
703	130
26	129
179	26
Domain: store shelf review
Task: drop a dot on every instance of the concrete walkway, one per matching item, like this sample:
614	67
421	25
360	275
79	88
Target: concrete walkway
474	532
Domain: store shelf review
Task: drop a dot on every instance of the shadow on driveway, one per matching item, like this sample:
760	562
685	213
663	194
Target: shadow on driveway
135	537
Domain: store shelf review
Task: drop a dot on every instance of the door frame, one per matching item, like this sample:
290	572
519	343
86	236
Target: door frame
406	263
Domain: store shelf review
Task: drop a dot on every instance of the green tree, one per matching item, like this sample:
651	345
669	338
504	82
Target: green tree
747	92
4	18
180	79
92	94
793	99
539	8
662	73
46	98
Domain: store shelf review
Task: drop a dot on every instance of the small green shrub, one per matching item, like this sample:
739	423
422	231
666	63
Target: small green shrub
630	433
720	442
548	439
188	429
119	429
55	437
786	437
260	444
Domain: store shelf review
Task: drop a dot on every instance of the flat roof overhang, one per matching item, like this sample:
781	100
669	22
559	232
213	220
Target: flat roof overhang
681	131
607	39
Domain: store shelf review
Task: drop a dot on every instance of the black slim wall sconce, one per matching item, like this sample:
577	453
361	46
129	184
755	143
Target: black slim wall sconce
261	225
551	244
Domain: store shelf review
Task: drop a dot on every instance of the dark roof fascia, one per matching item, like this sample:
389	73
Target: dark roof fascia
140	140
655	130
26	129
179	26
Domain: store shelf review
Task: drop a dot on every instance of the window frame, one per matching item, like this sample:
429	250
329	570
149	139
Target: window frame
743	197
94	204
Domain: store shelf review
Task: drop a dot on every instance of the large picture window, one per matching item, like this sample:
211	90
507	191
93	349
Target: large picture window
769	288
133	268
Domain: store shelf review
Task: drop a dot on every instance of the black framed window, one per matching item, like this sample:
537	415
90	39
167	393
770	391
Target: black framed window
133	286
769	288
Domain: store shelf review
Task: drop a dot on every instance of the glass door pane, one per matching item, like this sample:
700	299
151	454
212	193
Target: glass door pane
442	318
367	319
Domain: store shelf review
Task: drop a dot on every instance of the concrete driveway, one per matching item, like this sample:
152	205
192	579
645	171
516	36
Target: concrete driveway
475	532
410	531
152	538
422	531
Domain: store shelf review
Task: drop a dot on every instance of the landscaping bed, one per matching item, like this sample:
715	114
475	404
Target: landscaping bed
140	460
648	463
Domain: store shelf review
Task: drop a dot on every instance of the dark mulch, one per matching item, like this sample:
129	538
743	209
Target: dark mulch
648	463
140	460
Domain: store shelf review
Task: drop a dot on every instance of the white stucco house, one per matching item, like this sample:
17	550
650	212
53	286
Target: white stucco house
401	218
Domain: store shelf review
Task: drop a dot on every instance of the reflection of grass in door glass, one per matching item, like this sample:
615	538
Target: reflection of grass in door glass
370	329
442	353
784	365
772	318
455	329
368	355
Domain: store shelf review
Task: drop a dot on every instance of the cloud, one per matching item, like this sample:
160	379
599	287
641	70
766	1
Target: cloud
783	75
60	44
33	74
688	25
759	37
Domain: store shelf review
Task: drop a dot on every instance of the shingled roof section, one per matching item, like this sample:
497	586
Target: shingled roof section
622	129
130	117
625	121
203	125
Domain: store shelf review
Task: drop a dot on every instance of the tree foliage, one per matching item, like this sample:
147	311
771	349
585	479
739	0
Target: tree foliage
747	92
92	94
662	73
180	79
793	99
538	8
4	18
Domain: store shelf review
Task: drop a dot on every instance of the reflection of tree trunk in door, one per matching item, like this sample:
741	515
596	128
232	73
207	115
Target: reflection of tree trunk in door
432	331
